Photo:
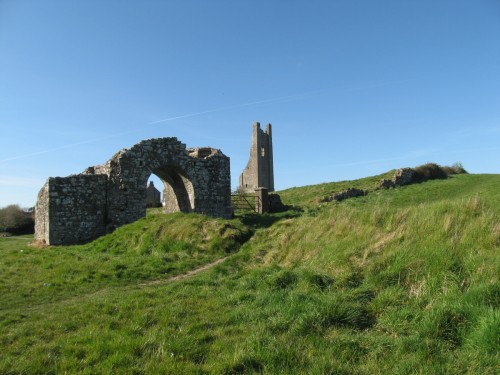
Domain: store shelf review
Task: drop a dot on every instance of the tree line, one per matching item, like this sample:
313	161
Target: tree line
15	220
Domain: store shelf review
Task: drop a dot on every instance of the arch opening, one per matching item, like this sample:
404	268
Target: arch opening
81	207
178	191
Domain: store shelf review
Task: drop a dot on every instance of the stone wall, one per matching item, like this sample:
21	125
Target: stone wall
70	208
346	194
403	176
81	207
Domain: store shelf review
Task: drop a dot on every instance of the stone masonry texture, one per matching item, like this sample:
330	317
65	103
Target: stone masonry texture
259	172
403	176
82	207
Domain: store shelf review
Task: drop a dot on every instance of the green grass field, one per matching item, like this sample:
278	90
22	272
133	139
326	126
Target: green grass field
399	281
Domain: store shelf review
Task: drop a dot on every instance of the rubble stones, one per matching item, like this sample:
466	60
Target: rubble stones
349	193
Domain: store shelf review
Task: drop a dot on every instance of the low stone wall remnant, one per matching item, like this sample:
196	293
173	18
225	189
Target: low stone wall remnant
349	193
403	176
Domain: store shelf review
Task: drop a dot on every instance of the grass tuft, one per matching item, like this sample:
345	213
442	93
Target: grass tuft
284	279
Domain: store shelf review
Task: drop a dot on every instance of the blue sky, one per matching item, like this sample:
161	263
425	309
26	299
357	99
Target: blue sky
352	88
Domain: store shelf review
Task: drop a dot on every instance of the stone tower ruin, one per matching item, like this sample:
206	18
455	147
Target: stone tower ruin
259	172
153	196
82	207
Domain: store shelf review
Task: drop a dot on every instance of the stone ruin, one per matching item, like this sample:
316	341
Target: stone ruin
259	172
346	194
82	207
153	196
257	178
403	176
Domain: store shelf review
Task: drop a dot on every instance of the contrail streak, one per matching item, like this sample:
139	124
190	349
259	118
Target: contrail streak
57	148
273	100
194	114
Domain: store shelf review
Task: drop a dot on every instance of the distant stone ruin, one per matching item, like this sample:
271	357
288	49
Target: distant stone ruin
403	176
153	196
346	194
82	207
259	172
257	179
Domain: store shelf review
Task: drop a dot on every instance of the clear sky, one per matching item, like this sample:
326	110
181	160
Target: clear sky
352	88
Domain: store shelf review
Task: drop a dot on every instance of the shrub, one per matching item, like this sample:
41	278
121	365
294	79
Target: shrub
433	171
429	171
14	219
456	168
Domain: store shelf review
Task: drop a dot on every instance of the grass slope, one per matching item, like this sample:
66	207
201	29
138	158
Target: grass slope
158	246
399	281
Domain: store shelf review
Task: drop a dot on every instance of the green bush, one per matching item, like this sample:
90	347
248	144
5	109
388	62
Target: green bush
13	219
456	168
429	171
433	171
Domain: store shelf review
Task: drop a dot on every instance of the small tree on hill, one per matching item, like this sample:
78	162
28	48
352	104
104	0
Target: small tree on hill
14	217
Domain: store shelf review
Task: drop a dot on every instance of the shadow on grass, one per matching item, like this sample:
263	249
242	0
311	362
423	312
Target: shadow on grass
259	221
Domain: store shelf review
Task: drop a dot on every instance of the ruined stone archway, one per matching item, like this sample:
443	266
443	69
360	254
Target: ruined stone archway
81	207
178	190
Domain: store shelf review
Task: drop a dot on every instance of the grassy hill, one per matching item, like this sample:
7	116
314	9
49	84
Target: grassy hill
399	281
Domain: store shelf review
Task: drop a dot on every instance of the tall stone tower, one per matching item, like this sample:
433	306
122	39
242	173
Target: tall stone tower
259	172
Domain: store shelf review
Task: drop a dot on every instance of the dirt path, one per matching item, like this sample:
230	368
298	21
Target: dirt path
95	293
184	275
15	238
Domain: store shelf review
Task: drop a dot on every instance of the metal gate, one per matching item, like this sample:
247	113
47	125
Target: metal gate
246	202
